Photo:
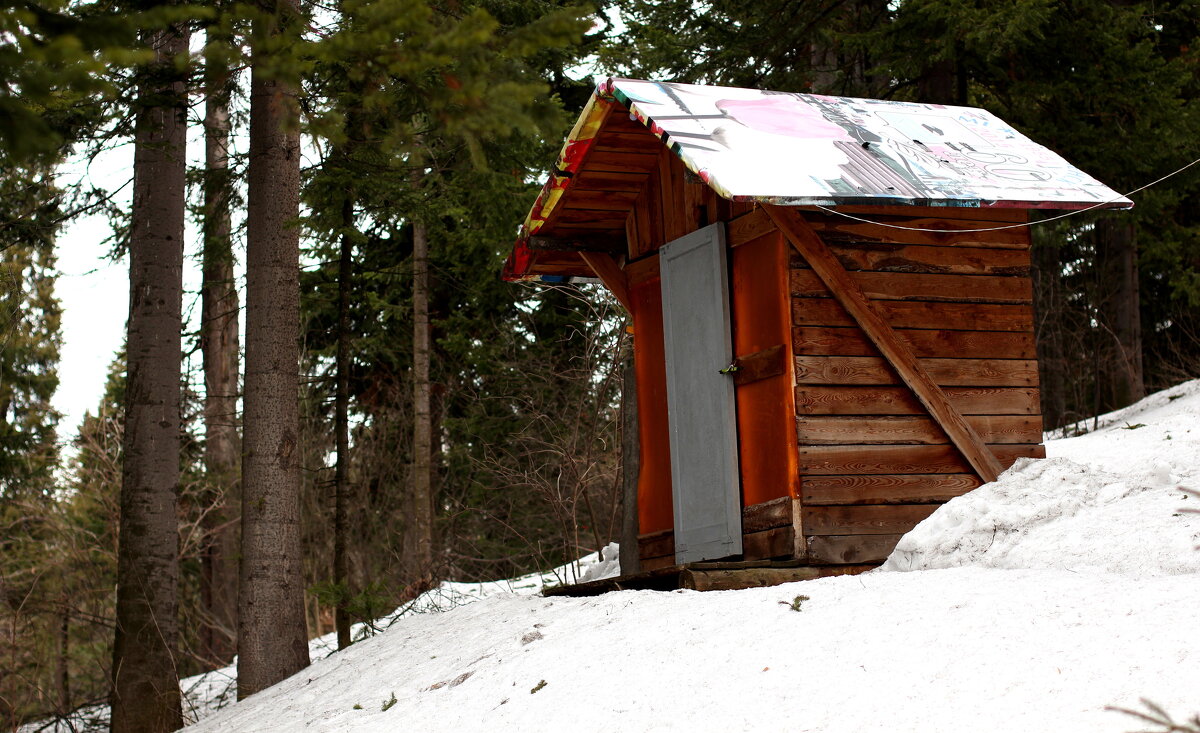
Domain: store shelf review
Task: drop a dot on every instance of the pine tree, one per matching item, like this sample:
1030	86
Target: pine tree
219	344
30	340
398	114
145	672
272	635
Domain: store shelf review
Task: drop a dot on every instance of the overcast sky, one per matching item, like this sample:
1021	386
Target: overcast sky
94	290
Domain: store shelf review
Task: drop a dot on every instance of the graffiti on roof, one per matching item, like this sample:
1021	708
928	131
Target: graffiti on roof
790	148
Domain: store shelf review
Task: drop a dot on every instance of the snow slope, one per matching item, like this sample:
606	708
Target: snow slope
1107	501
1032	604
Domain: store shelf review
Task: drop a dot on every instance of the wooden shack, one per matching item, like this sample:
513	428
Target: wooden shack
831	306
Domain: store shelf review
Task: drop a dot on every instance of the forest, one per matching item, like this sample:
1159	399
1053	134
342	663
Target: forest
373	409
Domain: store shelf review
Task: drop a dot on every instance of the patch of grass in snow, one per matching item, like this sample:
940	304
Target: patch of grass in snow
796	603
387	705
537	687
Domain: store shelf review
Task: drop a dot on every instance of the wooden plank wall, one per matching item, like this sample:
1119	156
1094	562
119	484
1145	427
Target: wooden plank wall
872	462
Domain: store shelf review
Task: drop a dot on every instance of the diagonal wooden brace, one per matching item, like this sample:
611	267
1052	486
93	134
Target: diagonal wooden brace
611	274
827	267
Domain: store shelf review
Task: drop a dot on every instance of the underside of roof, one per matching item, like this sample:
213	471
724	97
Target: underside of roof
785	149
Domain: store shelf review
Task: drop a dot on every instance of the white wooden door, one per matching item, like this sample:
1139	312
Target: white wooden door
701	409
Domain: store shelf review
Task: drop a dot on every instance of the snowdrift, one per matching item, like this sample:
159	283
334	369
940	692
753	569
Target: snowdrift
1113	500
1031	604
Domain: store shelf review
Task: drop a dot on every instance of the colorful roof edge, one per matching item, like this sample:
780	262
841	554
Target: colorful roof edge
740	142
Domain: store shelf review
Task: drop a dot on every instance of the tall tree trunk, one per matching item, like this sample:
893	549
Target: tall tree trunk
341	473
1049	324
219	344
422	474
272	636
1117	242
939	83
145	681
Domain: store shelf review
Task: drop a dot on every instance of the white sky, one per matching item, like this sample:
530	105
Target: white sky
94	291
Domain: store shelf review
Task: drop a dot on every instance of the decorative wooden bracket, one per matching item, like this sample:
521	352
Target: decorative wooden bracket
611	274
810	246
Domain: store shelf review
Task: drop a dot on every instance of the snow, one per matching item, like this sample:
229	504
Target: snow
1036	603
945	650
609	565
1108	501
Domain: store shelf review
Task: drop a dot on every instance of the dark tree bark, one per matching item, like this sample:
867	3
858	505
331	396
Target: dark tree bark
145	682
837	69
1049	326
1117	244
936	85
272	636
341	472
219	345
422	474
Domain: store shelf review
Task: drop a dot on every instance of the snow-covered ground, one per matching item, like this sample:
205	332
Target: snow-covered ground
1031	604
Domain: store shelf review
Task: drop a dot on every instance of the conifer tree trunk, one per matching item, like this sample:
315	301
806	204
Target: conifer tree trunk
422	474
1118	248
341	515
1049	327
145	682
272	636
219	345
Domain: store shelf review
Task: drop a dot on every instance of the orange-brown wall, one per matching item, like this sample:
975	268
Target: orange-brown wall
654	481
668	207
766	414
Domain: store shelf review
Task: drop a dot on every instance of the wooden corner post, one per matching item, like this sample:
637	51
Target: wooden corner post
827	267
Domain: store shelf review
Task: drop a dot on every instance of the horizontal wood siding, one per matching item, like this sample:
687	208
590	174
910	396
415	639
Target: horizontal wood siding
927	343
840	430
873	463
877	400
922	488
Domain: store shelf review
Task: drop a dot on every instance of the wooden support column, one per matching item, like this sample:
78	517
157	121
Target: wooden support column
631	450
809	244
611	274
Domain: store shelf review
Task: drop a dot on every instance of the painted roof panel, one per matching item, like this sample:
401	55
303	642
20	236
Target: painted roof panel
808	149
796	149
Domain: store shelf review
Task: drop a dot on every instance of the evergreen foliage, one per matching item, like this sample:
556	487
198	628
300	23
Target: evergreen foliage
472	108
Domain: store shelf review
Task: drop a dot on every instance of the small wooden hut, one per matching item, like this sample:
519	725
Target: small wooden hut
831	305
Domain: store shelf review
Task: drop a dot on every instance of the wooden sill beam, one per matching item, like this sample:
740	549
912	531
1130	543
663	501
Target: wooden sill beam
810	246
600	242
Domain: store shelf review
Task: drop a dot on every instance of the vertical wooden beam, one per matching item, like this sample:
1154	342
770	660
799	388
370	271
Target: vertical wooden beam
846	291
611	274
631	447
